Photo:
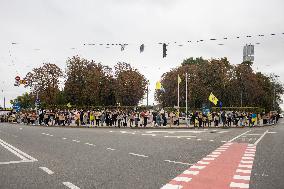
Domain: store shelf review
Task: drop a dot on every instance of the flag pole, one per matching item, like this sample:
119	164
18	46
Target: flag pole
186	99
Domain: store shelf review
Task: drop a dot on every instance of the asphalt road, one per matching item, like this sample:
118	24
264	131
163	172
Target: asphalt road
50	157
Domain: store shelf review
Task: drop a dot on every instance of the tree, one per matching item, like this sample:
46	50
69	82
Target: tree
232	84
25	101
130	85
76	80
45	81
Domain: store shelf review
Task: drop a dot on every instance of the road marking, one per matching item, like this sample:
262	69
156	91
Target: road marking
188	172
216	153
223	141
48	171
24	157
149	134
254	134
179	136
271	132
256	142
199	139
239	136
243	171
240	177
239	185
209	159
245	166
203	162
110	149
182	179
139	155
64	138
250	158
197	167
172	186
210	155
177	162
21	128
70	185
50	135
175	131
243	161
89	144
211	140
220	132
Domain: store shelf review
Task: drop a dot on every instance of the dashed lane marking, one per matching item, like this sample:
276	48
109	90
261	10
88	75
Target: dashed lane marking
110	149
139	155
149	134
64	138
70	185
48	171
177	162
190	136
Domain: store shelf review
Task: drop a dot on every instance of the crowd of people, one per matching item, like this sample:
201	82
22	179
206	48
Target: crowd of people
144	118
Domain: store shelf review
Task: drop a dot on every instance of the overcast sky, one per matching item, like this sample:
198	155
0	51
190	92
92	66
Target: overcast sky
47	30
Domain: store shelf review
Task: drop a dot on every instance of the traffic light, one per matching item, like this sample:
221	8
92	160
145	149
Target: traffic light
164	50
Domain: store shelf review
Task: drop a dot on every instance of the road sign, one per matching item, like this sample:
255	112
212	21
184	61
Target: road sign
17	78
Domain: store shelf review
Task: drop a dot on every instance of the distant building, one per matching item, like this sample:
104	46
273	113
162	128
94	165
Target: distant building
248	53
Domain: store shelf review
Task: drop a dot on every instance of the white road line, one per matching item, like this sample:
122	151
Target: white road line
199	139
15	162
21	128
239	185
110	149
70	185
211	140
243	171
240	177
203	162
223	141
271	132
197	167
210	155
177	162
172	186
139	155
50	135
209	159
245	166
256	142
64	138
48	171
239	136
149	134
17	152
216	152
179	136
182	179
188	172
253	134
249	162
249	155
250	158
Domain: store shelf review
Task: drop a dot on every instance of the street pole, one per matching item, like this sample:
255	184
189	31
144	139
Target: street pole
274	99
178	95
186	98
147	94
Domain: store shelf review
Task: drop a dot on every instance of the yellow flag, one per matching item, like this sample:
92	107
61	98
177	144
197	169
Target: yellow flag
158	85
213	99
179	79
